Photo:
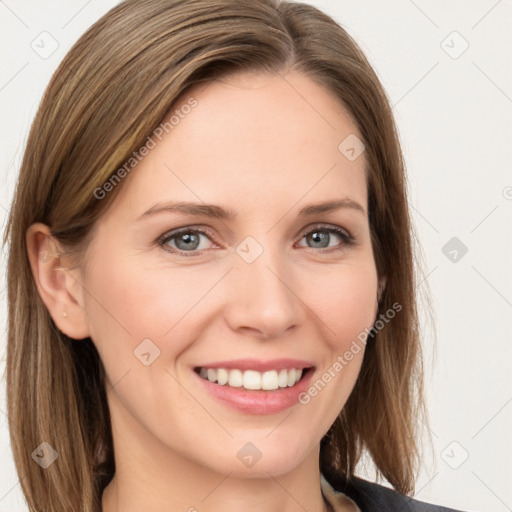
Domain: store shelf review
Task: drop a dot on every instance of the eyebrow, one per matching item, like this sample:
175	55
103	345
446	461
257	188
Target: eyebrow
217	212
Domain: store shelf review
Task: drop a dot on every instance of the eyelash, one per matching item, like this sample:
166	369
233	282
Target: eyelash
347	239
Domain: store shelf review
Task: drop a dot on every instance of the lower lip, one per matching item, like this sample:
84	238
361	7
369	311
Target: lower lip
258	401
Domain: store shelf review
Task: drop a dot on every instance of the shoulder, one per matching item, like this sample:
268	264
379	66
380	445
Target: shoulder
371	497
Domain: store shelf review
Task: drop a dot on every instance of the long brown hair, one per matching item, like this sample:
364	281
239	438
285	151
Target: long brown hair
111	91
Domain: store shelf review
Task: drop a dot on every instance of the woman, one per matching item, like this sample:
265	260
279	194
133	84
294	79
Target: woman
211	279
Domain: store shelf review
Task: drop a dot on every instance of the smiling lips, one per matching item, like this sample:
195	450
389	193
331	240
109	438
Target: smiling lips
256	387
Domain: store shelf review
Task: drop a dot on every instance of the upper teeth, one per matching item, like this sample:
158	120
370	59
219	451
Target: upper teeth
251	379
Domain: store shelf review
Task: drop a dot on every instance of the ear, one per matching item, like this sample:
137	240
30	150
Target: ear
59	287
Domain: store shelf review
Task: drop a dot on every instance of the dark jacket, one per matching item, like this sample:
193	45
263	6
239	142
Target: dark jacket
372	497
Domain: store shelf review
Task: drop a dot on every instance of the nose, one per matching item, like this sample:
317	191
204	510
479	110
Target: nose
263	297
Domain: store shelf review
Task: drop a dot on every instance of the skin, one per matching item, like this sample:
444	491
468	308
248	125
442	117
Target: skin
255	145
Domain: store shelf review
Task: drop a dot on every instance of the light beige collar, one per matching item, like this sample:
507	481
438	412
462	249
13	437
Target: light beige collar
339	501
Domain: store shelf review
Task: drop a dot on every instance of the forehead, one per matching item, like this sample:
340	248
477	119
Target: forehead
250	140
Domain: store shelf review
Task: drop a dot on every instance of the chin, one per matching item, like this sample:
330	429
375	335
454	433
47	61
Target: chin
261	457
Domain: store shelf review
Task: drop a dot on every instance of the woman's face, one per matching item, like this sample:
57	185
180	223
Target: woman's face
275	285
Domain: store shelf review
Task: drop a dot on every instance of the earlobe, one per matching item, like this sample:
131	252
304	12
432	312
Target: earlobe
58	287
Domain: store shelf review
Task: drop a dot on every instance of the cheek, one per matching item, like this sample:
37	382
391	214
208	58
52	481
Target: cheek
128	302
345	302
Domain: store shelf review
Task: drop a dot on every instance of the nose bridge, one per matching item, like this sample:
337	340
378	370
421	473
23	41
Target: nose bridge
262	298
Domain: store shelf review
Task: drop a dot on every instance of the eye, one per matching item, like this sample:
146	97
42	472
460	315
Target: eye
193	241
185	240
323	237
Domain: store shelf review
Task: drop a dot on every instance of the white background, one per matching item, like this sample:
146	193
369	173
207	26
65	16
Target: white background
454	116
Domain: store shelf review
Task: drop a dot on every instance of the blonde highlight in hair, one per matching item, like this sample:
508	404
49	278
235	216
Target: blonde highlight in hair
111	91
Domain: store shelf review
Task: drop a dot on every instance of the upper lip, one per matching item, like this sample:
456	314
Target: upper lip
259	364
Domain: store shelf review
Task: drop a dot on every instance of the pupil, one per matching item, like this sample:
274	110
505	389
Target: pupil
321	239
189	240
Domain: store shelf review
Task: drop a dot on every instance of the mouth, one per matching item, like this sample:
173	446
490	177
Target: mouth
255	386
254	380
